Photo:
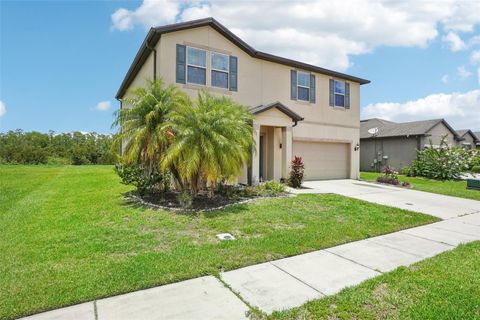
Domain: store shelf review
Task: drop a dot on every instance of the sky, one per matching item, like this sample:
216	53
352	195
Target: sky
61	62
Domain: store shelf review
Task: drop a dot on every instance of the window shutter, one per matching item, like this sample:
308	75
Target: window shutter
332	93
312	88
347	95
181	66
233	74
293	84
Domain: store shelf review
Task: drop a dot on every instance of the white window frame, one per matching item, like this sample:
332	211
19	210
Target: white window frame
340	94
218	70
298	85
197	66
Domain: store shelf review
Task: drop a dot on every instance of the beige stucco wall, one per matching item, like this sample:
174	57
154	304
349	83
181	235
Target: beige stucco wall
262	82
436	134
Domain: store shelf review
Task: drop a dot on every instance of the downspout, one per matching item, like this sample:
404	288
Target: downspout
154	61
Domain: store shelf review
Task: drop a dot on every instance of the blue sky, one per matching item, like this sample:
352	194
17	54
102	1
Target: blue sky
59	60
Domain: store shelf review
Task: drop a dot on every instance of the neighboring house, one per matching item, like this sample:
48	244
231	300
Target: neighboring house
477	134
300	109
396	144
469	140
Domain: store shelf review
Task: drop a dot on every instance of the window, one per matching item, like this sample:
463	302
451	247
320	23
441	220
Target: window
220	69
196	66
339	94
303	86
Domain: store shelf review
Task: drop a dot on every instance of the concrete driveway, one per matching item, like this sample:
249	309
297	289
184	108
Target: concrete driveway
444	207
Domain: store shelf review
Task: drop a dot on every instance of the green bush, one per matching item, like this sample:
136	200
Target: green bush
145	180
185	199
476	169
274	187
441	163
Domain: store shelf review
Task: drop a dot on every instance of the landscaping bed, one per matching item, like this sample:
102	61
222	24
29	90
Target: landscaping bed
201	202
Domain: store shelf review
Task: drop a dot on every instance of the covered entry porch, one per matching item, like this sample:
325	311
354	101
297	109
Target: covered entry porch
272	128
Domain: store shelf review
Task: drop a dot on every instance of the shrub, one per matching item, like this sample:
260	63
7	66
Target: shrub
442	163
185	199
390	176
146	181
476	169
248	191
296	173
274	188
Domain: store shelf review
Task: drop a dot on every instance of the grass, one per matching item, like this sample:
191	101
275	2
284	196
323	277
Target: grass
455	188
444	287
67	236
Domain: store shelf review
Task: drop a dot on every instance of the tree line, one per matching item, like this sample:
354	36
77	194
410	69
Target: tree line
77	148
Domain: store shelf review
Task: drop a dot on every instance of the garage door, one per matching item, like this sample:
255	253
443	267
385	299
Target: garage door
323	160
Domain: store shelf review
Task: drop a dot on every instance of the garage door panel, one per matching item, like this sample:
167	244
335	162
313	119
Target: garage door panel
323	160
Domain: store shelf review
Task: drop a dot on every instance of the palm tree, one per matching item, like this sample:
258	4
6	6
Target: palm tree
213	139
142	123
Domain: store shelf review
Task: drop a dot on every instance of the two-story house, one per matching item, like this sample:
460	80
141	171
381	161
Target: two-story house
300	109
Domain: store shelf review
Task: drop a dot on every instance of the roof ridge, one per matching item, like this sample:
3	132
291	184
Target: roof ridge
155	33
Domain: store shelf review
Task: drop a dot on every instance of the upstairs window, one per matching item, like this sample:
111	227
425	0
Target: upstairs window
303	86
220	70
196	66
339	94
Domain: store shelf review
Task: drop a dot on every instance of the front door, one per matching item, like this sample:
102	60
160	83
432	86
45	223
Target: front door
262	158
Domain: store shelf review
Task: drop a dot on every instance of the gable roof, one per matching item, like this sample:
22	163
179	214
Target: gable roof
463	132
155	33
392	129
281	107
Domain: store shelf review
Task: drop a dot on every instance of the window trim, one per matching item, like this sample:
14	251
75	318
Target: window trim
298	85
196	66
340	94
218	70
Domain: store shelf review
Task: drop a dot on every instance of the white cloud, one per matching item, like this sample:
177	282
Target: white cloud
475	57
444	78
3	108
463	73
478	76
325	33
103	106
151	13
461	110
454	42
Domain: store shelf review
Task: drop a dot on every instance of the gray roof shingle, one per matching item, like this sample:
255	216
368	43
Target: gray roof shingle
392	129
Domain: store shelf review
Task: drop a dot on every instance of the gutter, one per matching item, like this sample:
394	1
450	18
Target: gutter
154	61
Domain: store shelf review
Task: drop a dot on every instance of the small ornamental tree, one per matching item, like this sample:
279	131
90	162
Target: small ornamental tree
296	173
442	163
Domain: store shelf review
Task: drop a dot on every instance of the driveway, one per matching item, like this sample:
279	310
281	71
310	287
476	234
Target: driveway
444	207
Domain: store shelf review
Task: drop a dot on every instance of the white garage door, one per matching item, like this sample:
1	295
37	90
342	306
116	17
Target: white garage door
323	160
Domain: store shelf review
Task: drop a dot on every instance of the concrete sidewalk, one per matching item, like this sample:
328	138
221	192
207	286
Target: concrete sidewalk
280	284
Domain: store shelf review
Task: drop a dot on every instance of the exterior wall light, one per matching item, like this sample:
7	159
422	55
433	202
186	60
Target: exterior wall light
357	147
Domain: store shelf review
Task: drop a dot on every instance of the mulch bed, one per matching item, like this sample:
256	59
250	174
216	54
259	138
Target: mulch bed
201	202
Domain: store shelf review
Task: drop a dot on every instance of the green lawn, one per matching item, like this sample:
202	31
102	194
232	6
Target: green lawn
67	236
450	187
444	287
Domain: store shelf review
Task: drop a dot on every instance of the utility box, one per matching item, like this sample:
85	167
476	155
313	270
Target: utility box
473	184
